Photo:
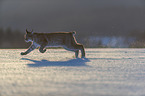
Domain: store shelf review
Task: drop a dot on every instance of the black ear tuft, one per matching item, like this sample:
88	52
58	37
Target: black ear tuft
27	31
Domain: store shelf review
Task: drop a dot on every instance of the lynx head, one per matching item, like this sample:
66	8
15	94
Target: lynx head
28	36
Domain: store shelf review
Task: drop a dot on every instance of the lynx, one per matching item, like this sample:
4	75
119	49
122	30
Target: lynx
56	39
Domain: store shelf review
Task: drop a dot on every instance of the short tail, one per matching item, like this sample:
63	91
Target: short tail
73	32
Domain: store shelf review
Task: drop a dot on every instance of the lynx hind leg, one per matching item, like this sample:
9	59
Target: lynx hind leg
42	49
72	49
80	47
75	48
76	53
83	51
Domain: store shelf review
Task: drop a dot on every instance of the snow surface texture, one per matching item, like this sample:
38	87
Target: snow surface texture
105	72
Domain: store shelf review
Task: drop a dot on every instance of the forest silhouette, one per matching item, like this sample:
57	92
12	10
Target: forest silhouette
15	39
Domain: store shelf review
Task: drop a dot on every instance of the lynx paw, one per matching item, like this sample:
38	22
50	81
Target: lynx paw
23	53
42	51
83	57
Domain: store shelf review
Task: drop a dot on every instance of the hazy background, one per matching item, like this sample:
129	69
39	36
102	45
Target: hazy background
97	18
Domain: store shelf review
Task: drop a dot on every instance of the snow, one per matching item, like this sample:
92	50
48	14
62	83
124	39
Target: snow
104	72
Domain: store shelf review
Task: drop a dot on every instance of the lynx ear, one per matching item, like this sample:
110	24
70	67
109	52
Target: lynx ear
32	31
29	32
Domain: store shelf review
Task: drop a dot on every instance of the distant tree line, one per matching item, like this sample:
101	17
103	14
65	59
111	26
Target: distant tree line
140	39
15	39
12	39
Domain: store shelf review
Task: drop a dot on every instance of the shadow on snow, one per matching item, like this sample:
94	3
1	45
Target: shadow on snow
45	63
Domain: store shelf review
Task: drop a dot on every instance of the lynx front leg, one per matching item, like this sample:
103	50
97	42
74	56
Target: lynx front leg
31	48
42	49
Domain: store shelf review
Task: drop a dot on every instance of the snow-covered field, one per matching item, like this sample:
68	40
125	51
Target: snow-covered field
105	72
